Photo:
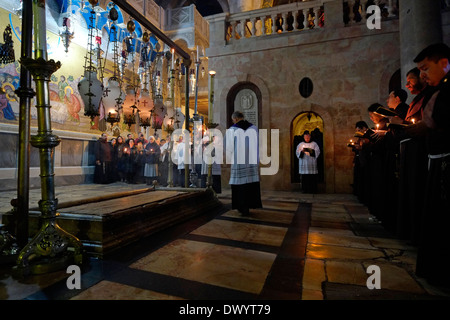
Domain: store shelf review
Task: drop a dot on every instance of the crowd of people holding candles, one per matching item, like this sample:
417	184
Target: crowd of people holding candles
402	163
141	161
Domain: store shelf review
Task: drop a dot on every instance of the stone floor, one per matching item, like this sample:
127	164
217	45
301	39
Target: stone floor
297	247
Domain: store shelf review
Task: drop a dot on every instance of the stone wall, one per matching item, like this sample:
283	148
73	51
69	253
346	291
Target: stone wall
350	66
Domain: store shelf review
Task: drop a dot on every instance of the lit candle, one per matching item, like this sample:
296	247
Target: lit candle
378	126
211	97
413	120
173	57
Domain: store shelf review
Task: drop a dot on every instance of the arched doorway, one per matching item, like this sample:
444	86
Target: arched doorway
245	97
311	121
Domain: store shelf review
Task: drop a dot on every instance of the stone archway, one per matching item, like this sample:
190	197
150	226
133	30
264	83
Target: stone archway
328	184
253	112
313	123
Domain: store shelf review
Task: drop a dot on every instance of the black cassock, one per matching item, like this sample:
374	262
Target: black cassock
412	180
433	258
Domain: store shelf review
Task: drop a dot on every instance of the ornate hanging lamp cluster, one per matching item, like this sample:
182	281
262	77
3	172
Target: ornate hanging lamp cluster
7	48
66	33
130	109
113	94
145	102
90	87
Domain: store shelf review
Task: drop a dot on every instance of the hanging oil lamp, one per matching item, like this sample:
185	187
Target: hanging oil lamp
89	87
113	94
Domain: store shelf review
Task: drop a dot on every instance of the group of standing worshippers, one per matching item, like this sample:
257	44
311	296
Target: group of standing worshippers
148	161
402	164
131	161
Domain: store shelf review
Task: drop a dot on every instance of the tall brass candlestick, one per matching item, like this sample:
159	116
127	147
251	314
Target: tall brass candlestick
210	122
186	122
25	92
48	250
169	149
211	97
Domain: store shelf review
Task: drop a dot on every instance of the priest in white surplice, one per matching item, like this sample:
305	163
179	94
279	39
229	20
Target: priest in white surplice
307	153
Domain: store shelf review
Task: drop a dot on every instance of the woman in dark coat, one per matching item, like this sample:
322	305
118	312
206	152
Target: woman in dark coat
120	145
129	156
152	152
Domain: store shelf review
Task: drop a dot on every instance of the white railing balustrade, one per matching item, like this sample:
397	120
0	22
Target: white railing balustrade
300	16
280	19
355	11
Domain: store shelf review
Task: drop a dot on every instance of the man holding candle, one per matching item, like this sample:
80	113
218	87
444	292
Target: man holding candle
361	163
433	258
375	150
422	92
413	161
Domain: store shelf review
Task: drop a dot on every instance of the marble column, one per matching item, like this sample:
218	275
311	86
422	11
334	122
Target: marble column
420	26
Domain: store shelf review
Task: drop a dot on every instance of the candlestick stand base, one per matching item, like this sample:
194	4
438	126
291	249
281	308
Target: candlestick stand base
50	250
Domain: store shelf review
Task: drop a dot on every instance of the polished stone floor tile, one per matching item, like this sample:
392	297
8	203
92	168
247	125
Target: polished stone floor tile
319	237
326	207
338	232
230	267
107	290
245	232
346	272
319	251
395	277
282	205
313	275
317	215
391	243
273	216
